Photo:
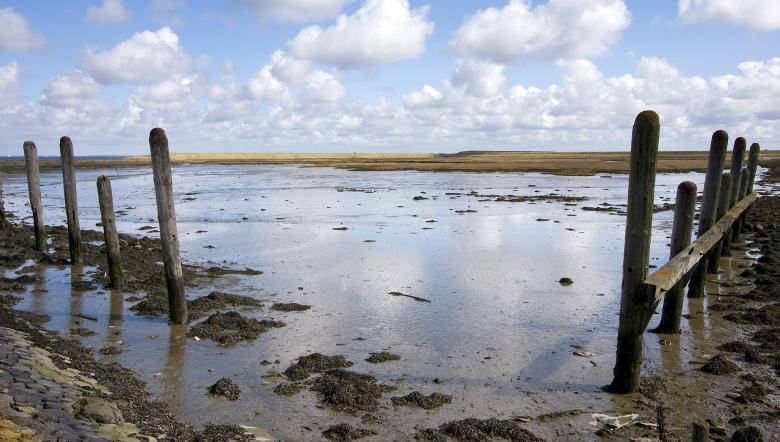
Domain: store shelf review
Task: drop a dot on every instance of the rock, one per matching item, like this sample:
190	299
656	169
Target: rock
565	281
97	410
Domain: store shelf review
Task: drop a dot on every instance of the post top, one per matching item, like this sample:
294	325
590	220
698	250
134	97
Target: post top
29	143
687	187
156	132
755	147
740	144
65	139
647	118
720	135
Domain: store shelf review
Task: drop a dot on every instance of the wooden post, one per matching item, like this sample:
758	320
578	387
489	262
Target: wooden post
709	205
3	221
166	214
107	216
743	186
737	157
755	149
723	207
636	253
685	206
71	202
700	432
34	189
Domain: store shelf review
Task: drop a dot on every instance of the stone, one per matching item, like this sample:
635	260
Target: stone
98	410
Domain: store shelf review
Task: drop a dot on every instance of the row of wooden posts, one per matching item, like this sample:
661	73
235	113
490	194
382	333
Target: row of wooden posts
166	214
725	201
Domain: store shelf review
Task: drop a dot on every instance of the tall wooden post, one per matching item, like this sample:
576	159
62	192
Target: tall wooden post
636	254
107	216
34	189
3	221
71	202
743	186
755	149
737	157
685	206
723	207
709	206
166	214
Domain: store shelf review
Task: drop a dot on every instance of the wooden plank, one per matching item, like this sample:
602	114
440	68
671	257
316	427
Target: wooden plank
664	278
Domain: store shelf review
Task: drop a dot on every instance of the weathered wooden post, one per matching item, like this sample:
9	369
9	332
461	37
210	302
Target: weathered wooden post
636	253
108	218
71	202
737	157
3	221
34	189
166	214
755	149
743	186
700	432
685	206
709	205
723	207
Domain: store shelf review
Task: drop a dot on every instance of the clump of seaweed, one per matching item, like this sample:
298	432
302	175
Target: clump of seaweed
419	400
229	328
382	356
315	363
349	392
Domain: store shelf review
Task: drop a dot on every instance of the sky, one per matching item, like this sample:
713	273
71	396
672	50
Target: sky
385	75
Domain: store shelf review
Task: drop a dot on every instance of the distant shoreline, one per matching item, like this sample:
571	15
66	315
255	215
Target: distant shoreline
556	163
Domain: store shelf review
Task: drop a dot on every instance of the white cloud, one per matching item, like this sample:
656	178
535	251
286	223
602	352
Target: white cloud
289	69
479	78
426	97
145	57
381	31
265	86
558	29
10	85
72	89
170	95
322	87
296	10
110	11
751	14
15	33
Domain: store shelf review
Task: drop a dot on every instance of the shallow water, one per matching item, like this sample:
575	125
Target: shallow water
498	331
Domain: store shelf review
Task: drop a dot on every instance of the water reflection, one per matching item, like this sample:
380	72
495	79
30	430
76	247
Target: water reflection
174	374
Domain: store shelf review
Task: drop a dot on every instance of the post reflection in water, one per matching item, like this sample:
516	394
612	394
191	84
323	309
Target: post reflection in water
39	290
172	377
76	297
114	332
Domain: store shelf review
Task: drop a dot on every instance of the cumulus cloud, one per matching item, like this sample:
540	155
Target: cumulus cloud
555	30
322	87
296	10
426	97
751	14
266	87
110	11
10	85
147	56
71	89
479	78
15	32
381	31
170	95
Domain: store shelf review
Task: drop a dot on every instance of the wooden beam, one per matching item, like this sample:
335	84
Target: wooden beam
664	278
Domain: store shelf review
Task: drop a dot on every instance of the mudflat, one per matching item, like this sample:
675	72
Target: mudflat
557	163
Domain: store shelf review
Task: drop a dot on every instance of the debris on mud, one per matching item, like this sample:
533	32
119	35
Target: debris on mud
81	331
769	338
734	347
110	350
290	307
747	434
227	329
416	298
288	388
349	392
346	432
768	314
225	388
720	365
157	305
754	392
221	271
382	356
566	281
315	363
473	429
219	433
370	419
419	400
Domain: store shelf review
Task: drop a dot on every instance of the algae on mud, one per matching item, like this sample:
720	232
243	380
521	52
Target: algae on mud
230	328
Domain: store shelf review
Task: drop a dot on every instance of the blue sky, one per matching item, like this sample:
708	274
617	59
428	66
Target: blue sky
385	75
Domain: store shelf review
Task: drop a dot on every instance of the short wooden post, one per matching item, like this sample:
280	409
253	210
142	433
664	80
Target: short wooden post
755	149
107	216
34	189
71	202
685	206
166	214
636	254
709	205
700	432
723	207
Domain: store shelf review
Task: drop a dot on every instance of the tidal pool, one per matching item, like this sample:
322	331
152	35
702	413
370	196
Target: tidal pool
498	333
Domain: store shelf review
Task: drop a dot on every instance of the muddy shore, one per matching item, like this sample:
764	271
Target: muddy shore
555	163
732	402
